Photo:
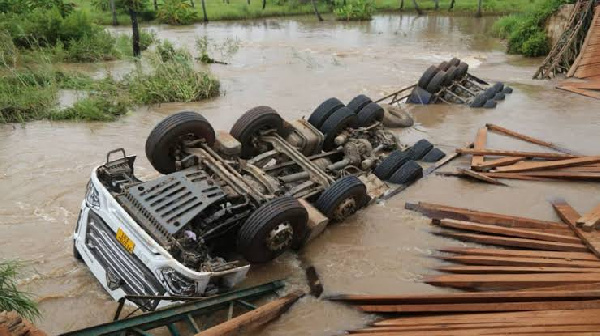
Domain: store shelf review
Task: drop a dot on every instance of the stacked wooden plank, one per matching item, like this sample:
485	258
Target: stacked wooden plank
488	165
535	278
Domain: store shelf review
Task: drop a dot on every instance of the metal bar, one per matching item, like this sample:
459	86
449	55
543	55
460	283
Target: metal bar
119	308
246	304
189	319
139	332
172	314
173	329
395	93
230	311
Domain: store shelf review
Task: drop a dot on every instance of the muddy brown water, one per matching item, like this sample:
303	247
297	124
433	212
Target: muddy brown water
293	65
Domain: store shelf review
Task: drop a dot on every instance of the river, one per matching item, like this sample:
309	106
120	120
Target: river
293	65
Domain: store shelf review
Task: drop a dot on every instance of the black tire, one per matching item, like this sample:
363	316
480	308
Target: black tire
498	87
252	236
427	76
434	155
347	188
444	66
489	93
450	75
358	103
324	111
461	70
76	253
499	96
167	136
370	114
419	96
436	83
507	89
336	123
454	62
490	104
391	163
419	149
407	174
257	119
479	100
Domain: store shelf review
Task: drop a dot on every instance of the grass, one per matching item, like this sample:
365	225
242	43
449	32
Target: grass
10	297
462	6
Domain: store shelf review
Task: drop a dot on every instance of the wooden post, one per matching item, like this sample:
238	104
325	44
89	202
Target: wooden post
113	9
401	4
136	32
204	11
479	8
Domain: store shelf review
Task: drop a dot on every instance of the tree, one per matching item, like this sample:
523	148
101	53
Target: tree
419	11
437	4
113	9
314	3
204	11
451	5
133	6
401	4
479	8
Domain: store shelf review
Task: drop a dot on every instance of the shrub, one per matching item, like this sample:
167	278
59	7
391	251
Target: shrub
172	79
92	48
10	296
177	12
536	45
357	10
505	25
96	107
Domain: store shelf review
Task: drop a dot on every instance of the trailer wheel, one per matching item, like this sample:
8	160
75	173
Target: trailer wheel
420	148
274	227
324	111
343	198
507	89
391	163
370	114
499	96
479	100
434	155
358	103
407	174
427	76
490	104
454	61
436	83
450	75
248	126
168	136
335	124
444	66
498	87
461	70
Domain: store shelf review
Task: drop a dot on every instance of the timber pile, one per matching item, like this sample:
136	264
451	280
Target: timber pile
489	165
12	324
535	278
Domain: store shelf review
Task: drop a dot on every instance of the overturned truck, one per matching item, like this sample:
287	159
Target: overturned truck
227	200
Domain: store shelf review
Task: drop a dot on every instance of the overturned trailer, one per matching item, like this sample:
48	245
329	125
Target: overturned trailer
227	200
451	83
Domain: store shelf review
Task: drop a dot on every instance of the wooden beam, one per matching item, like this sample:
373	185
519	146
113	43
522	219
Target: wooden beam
253	319
518	261
514	270
511	281
531	166
498	163
479	176
527	138
509	232
513	242
547	176
500	152
590	220
565	327
520	253
439	211
480	143
569	216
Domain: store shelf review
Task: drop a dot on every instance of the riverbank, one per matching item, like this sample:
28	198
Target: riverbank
245	10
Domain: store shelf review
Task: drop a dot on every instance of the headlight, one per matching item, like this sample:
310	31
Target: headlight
92	197
176	283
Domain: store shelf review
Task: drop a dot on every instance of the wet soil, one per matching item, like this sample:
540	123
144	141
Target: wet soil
293	65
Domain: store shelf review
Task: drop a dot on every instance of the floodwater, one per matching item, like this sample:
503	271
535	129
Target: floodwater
293	65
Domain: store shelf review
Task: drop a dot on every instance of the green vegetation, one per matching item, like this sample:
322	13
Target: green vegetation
10	296
525	31
356	10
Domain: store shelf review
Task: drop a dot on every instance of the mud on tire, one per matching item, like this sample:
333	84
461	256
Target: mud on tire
391	163
257	119
370	114
407	174
266	233
427	76
343	198
324	111
420	148
358	103
335	124
168	136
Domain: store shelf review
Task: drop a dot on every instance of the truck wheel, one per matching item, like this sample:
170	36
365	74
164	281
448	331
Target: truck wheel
168	136
370	114
435	85
324	111
274	227
434	155
507	89
450	75
479	100
343	198
454	61
490	104
461	70
391	163
358	103
427	76
335	124
420	148
498	87
499	96
76	253
407	174
248	126
444	66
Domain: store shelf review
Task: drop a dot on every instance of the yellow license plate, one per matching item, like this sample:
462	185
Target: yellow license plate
127	243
